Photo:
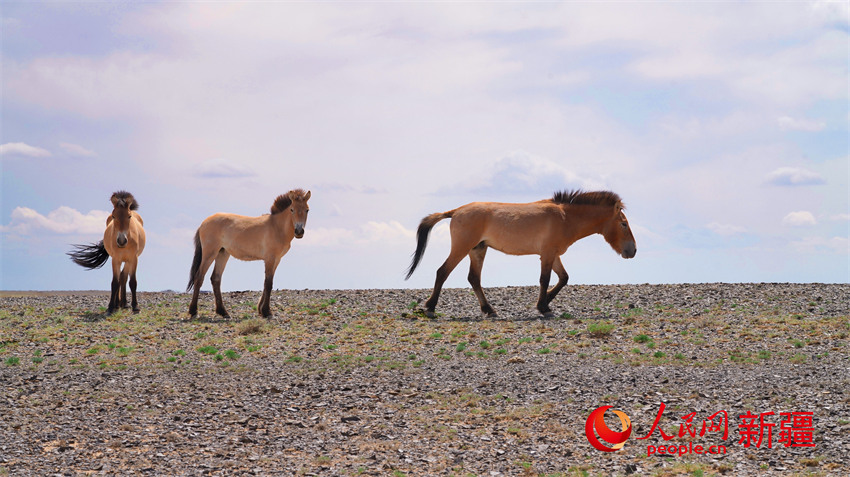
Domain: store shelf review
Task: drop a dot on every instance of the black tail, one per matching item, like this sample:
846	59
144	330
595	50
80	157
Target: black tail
196	262
89	256
422	238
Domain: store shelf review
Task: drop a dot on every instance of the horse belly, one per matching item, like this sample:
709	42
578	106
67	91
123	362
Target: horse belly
514	245
517	237
247	254
250	246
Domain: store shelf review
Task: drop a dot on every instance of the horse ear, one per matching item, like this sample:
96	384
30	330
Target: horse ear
114	199
307	196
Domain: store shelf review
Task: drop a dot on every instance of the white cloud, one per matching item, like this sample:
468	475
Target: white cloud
787	123
218	168
22	149
523	173
733	52
802	218
794	176
63	220
76	150
726	230
839	245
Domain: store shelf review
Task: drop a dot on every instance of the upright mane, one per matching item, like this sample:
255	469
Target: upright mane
281	204
123	197
578	197
283	201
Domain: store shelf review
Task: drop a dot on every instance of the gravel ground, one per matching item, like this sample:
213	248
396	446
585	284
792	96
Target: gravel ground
359	382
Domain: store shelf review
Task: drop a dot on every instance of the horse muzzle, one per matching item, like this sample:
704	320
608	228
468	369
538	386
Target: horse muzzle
122	240
299	231
629	251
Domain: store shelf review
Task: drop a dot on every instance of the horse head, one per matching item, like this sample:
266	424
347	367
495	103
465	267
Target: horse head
296	202
122	203
618	234
299	209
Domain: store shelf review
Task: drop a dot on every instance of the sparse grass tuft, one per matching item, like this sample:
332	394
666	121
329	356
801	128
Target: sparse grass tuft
211	350
251	326
599	329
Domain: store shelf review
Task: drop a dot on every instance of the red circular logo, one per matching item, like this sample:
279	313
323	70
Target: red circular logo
596	425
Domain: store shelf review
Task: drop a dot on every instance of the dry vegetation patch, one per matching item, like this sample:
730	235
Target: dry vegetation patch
358	382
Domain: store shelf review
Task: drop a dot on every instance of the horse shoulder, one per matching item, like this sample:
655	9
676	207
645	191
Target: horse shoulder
137	217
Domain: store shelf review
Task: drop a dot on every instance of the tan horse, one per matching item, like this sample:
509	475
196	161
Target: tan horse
265	238
124	241
545	228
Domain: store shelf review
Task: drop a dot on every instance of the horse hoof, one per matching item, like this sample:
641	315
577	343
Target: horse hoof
430	314
492	315
549	314
136	310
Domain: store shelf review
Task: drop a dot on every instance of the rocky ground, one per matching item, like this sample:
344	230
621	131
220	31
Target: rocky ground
358	382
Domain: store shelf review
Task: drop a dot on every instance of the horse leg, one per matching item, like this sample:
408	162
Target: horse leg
113	296
545	275
563	277
132	273
455	256
122	287
206	261
264	306
476	261
215	278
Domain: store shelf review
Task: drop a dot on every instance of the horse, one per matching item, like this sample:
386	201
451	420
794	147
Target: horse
545	228
124	241
265	238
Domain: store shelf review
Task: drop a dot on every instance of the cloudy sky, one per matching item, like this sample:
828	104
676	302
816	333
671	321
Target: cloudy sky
724	126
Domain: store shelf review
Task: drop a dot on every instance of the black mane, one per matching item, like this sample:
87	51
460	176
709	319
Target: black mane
125	197
281	203
579	197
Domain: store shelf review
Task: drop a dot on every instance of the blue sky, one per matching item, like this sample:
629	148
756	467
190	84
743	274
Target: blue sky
724	126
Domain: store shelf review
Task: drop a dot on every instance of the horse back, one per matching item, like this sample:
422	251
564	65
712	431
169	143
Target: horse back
243	237
516	229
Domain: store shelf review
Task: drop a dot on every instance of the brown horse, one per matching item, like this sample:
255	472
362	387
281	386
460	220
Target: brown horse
546	228
124	241
266	238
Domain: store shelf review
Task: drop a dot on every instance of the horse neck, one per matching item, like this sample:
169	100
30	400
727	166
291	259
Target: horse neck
282	222
585	220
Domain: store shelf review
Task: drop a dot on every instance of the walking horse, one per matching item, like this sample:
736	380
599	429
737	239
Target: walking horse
545	228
